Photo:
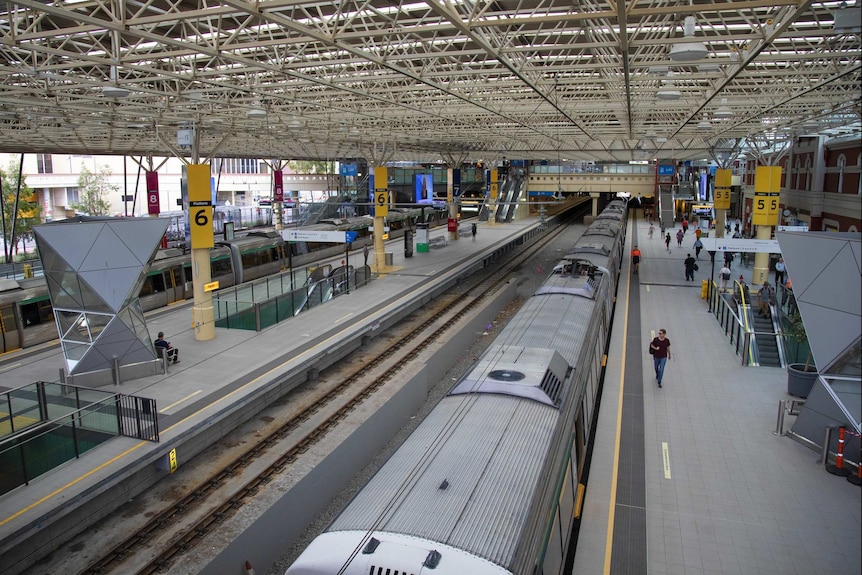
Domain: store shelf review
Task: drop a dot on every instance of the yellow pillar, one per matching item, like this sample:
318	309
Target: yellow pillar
760	273
381	210
767	190
721	199
203	316
200	217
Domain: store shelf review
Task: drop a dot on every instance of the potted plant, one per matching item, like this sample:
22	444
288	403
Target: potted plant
800	376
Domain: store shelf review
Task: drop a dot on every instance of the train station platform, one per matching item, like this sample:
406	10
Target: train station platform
691	478
219	383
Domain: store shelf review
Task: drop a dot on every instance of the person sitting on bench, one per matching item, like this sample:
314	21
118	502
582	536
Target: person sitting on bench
173	353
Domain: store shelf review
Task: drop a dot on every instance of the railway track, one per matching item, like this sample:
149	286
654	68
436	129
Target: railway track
184	523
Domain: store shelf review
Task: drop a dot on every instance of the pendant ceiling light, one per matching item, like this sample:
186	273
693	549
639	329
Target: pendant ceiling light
688	51
723	111
668	91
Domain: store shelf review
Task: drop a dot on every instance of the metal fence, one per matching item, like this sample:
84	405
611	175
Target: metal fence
49	424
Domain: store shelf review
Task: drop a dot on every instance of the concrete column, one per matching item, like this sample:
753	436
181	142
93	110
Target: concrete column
202	312
720	222
595	204
378	265
760	273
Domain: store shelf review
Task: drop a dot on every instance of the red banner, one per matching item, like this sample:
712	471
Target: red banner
278	186
153	207
452	225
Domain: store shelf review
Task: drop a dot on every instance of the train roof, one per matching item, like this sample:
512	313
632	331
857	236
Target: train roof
466	477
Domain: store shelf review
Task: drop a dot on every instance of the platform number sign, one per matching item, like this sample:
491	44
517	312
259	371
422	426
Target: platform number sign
200	206
723	179
767	192
381	204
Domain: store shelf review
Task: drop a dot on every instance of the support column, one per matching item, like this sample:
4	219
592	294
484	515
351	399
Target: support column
760	273
595	203
200	217
381	210
767	189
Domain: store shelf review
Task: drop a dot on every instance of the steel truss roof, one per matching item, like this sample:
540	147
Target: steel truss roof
422	81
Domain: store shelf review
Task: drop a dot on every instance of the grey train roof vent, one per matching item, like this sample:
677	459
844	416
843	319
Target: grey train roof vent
528	372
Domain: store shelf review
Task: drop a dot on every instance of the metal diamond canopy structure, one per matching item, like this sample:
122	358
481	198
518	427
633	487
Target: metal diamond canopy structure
94	268
423	81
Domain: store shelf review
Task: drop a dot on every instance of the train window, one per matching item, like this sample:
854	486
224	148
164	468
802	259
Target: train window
221	267
36	312
155	283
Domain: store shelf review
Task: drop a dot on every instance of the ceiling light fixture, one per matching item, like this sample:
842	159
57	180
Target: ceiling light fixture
704	124
113	90
723	111
688	51
256	112
668	91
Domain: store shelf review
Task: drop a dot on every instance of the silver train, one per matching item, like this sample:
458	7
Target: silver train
489	482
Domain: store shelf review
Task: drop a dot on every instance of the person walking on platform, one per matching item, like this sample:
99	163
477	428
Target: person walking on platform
698	245
689	268
723	277
660	350
636	259
365	254
684	226
651	230
698	232
667	242
679	236
473	230
780	270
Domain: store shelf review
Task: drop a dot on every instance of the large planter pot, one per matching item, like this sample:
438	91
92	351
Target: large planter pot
799	380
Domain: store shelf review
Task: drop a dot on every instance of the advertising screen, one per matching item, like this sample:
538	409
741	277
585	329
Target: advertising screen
424	188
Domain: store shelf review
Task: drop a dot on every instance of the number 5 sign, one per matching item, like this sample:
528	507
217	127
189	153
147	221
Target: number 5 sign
200	206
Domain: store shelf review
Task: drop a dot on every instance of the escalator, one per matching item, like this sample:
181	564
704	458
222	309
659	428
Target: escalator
507	202
665	206
765	340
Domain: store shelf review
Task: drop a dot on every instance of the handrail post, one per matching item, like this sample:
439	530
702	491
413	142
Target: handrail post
824	454
779	424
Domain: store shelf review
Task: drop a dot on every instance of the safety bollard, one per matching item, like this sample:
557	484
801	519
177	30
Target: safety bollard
839	469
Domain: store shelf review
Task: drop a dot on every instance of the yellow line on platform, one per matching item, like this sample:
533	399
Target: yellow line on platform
71	483
176	403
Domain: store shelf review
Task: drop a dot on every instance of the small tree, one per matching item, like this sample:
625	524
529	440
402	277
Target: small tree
28	208
93	190
796	331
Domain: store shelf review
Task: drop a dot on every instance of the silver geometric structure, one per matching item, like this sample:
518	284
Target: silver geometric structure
95	268
826	271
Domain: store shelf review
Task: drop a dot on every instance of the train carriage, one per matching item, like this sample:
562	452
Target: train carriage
488	482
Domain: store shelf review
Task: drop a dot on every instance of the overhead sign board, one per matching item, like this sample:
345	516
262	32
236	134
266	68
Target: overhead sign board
300	235
741	245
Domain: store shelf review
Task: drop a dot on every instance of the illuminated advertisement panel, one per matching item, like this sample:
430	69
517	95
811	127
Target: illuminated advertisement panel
424	188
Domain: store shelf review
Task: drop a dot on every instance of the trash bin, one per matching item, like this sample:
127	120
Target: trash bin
387	258
408	243
704	289
28	270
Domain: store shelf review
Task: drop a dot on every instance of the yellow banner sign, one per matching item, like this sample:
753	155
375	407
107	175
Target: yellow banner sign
212	286
200	206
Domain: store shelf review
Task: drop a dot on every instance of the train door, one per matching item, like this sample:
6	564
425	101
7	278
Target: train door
174	284
10	337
